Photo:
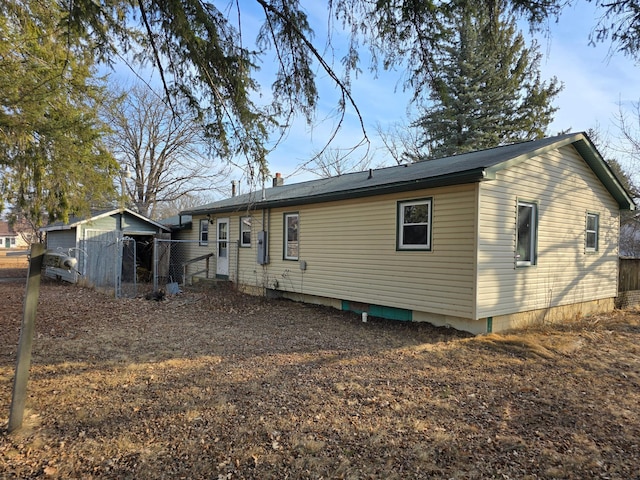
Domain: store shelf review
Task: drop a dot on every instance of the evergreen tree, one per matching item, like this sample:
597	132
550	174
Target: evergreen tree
486	89
51	157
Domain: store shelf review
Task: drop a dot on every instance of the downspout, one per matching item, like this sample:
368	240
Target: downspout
237	263
476	252
265	267
266	226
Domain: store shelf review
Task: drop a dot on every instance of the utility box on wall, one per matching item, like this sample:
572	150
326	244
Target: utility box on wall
263	252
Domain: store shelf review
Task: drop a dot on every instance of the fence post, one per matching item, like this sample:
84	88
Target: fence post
155	264
23	362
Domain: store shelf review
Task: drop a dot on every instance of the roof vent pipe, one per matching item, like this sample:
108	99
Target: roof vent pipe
278	181
370	173
233	188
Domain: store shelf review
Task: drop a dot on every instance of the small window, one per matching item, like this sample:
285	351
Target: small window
414	225
291	244
204	232
526	234
245	231
591	233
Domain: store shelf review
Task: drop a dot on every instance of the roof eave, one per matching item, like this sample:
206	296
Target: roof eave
591	156
57	228
103	215
458	178
602	170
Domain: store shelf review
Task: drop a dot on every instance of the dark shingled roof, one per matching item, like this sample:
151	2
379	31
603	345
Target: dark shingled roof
74	221
458	169
6	230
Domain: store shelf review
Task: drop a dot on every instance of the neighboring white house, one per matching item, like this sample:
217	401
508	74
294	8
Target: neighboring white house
9	238
481	241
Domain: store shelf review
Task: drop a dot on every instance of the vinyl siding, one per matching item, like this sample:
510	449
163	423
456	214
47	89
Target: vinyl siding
105	223
249	272
190	248
350	250
137	225
565	189
62	241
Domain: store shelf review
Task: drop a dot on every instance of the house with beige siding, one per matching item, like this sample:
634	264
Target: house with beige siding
481	241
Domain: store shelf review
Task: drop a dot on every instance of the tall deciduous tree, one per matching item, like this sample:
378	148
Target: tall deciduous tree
168	155
51	156
486	90
628	123
334	162
401	141
186	202
629	242
627	144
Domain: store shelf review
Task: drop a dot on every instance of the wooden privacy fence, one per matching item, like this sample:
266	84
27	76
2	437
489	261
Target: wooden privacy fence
629	274
628	283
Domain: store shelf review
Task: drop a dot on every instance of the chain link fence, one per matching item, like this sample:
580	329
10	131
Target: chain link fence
179	263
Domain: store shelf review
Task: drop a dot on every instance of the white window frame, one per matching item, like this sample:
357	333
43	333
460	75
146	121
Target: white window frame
203	234
533	234
285	253
244	223
400	244
595	232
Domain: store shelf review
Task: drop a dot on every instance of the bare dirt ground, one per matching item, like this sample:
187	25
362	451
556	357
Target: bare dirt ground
218	385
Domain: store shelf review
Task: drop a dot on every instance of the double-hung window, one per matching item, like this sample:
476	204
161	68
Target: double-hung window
414	225
291	241
245	231
591	232
526	234
204	232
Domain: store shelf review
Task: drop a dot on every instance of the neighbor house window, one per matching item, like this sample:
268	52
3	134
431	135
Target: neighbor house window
526	234
591	233
291	224
414	225
245	231
204	232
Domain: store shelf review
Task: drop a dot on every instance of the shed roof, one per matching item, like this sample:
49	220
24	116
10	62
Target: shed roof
458	169
95	215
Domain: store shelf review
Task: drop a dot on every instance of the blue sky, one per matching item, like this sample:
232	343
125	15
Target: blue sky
595	81
595	78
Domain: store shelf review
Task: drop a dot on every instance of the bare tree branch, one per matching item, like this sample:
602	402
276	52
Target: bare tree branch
169	155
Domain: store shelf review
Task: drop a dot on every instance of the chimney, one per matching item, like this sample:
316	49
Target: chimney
278	181
233	188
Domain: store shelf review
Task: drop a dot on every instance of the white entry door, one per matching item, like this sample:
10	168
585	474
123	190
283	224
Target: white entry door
222	247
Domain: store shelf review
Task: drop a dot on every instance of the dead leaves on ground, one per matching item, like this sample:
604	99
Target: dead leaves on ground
226	386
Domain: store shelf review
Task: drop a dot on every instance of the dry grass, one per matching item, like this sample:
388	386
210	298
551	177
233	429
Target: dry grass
226	386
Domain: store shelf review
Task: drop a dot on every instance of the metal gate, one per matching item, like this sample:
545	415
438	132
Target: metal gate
128	281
